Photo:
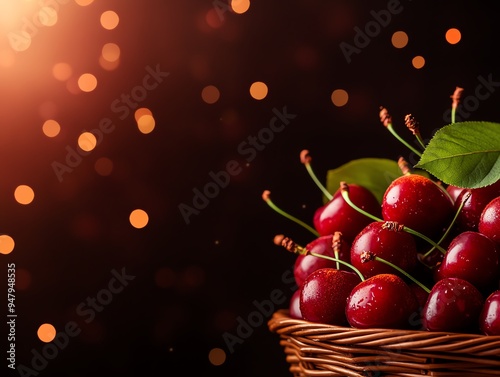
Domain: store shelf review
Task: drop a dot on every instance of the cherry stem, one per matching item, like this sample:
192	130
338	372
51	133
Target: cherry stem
291	246
368	256
413	126
336	244
305	158
456	96
344	189
386	120
266	196
443	237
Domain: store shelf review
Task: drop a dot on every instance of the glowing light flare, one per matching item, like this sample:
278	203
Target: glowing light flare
258	90
103	166
399	39
240	6
6	244
87	141
138	218
62	71
210	94
107	65
453	36
84	3
51	128
146	124
109	20
110	52
418	62
24	194
140	112
217	356
46	332
339	97
87	82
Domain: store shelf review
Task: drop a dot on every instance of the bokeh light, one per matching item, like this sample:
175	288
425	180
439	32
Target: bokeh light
453	36
51	128
6	244
47	16
240	6
418	62
339	97
138	218
146	124
46	332
19	41
140	112
258	90
84	3
24	194
87	141
110	52
103	166
109	20
399	39
87	82
210	94
62	71
217	356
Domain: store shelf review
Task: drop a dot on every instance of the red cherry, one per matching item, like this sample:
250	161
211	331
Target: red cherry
338	215
324	293
489	221
418	203
454	191
468	218
473	257
294	305
306	264
489	319
397	247
382	301
453	305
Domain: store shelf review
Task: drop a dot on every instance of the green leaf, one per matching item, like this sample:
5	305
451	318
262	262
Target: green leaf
375	174
464	154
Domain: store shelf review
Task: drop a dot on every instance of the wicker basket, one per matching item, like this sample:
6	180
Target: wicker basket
315	349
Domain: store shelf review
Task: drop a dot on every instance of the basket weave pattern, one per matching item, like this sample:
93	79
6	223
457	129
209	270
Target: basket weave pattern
315	349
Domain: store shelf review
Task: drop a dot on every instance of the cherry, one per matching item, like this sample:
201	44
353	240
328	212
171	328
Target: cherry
489	221
453	305
324	293
337	215
473	257
305	264
454	191
294	305
395	246
489	318
418	203
478	198
381	301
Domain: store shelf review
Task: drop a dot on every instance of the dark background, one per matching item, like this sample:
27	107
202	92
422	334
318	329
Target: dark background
194	283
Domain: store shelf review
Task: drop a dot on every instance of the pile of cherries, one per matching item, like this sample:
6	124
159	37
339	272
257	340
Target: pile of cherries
427	258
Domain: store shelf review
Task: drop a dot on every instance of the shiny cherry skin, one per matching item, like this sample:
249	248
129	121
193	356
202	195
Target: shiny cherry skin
453	305
489	221
468	218
454	191
306	264
338	215
473	257
324	294
294	305
489	319
397	247
418	203
382	301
